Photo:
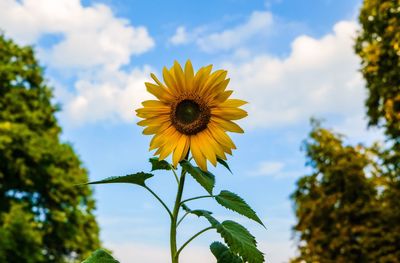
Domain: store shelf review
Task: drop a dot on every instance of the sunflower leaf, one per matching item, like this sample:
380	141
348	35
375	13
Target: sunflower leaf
223	254
234	202
156	164
225	164
240	241
100	256
205	179
137	178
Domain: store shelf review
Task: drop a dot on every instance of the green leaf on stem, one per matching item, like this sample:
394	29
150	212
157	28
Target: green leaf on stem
224	163
137	178
234	202
205	179
237	237
223	254
156	164
100	256
240	241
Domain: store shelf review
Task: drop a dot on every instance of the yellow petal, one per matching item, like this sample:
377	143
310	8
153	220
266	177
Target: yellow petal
212	81
215	145
227	125
158	91
179	77
233	103
197	155
179	151
168	147
229	113
206	148
160	138
223	96
170	81
189	75
156	128
220	136
153	103
155	120
201	77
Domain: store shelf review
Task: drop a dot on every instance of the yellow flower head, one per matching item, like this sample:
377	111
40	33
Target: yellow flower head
192	112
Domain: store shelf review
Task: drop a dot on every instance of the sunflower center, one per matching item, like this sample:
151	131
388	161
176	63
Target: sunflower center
190	115
187	111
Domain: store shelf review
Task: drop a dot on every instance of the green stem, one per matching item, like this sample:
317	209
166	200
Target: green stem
195	198
180	220
190	239
159	199
176	176
175	213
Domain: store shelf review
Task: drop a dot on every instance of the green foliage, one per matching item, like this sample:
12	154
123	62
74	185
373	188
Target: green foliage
20	230
223	254
100	256
234	202
224	163
378	45
137	178
205	179
237	237
341	210
38	171
156	164
240	241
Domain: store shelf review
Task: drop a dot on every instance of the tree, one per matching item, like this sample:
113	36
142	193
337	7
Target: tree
378	45
44	217
337	205
348	209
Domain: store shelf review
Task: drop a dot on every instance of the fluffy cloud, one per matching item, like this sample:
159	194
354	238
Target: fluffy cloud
319	78
92	45
258	23
90	36
180	37
107	95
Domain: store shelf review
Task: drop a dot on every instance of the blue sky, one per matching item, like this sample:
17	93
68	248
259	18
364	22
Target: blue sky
290	60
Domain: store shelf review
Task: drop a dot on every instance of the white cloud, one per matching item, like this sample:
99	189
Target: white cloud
92	45
266	168
107	95
258	23
90	36
319	78
180	37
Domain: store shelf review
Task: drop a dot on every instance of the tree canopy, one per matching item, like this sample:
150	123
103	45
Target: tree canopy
44	216
348	208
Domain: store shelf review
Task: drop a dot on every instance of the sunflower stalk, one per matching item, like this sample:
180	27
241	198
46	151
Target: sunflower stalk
175	214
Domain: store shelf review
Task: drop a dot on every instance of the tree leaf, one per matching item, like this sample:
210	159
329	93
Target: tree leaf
240	241
223	254
224	163
234	202
156	164
205	179
100	256
137	178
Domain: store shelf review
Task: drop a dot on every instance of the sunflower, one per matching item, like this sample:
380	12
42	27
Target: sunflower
192	113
